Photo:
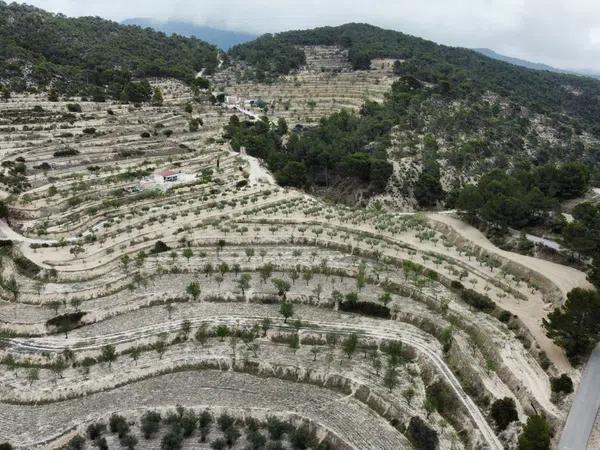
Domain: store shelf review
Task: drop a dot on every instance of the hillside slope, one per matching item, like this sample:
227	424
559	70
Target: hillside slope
466	71
39	49
451	116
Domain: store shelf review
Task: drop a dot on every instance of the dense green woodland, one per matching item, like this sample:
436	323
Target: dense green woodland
525	196
83	54
270	56
576	326
337	150
466	72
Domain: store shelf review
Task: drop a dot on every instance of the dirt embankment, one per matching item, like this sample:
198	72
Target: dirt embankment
553	279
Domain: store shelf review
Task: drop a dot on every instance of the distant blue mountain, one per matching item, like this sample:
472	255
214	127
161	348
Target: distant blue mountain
221	38
532	65
516	61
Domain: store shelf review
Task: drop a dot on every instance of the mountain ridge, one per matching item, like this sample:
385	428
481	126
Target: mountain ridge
533	65
224	39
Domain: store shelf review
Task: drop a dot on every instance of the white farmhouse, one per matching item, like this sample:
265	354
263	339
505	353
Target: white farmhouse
167	176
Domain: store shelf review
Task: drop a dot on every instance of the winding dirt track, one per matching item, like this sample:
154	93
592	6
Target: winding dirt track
409	337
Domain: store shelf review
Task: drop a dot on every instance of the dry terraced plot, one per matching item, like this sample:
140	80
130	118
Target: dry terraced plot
185	285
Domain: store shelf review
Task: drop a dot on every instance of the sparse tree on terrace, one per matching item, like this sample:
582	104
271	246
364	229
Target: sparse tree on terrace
135	353
385	298
294	275
349	345
75	303
286	310
282	287
376	361
33	374
315	351
253	347
193	290
186	327
108	354
160	347
265	272
265	325
307	275
54	305
390	377
244	282
58	367
201	334
222	332
125	262
169	308
188	253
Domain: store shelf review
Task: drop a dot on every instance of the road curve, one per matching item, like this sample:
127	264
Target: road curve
57	344
584	410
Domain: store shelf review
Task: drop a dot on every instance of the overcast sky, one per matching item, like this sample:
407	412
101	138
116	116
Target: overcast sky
563	33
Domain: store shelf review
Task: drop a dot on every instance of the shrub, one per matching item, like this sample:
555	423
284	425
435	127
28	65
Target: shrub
76	443
145	135
535	435
442	398
89	130
218	444
505	316
562	384
366	308
74	107
118	424
454	284
160	247
504	412
95	430
256	440
225	421
66	152
128	441
303	437
172	440
150	423
477	300
66	322
101	443
421	435
276	427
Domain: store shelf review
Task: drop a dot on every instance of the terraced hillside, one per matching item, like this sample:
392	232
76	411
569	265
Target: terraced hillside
324	86
243	313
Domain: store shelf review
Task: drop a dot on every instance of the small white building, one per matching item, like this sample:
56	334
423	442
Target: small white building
167	176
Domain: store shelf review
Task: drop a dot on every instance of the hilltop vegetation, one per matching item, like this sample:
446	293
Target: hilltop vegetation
269	55
466	72
84	55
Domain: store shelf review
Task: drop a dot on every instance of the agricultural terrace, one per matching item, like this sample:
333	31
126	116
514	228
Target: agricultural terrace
267	315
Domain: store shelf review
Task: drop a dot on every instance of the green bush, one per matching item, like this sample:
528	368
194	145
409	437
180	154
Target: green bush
562	384
478	301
